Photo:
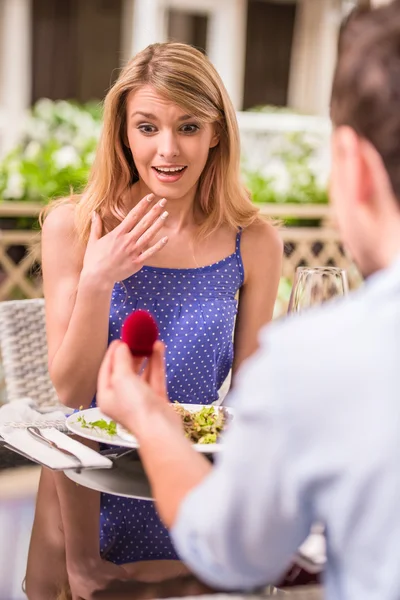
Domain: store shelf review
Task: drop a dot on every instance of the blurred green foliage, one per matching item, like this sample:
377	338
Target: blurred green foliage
55	153
58	147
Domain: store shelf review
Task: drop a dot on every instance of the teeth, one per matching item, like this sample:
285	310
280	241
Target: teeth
169	170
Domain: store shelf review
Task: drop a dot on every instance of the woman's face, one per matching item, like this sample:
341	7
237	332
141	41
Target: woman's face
169	147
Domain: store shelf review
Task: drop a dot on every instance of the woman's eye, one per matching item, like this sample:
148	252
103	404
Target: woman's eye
146	128
190	128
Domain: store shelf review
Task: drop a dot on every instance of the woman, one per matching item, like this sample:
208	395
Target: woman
47	556
164	224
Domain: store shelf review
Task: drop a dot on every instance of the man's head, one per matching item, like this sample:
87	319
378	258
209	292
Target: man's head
365	110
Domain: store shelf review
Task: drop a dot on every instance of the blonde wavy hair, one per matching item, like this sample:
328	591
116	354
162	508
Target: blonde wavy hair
183	75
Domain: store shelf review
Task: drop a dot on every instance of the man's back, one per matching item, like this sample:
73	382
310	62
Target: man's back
316	439
340	385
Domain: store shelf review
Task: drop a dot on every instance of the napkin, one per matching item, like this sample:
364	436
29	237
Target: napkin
16	416
21	413
21	439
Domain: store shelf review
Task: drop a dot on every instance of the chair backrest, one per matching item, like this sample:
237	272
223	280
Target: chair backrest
23	346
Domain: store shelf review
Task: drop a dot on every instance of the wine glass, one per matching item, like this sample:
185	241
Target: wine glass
315	285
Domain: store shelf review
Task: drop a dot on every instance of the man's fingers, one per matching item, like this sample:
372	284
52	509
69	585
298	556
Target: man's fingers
137	363
106	368
157	376
123	363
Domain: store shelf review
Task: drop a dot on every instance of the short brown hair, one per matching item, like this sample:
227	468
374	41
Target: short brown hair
366	86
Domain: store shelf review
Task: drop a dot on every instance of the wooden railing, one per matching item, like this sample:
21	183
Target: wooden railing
19	252
312	246
20	248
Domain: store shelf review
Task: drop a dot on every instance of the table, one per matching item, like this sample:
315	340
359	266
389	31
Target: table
163	591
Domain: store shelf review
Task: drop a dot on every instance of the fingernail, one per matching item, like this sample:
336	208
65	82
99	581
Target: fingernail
163	202
164	215
164	240
150	198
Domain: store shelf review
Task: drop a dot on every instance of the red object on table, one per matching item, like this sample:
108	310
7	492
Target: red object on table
140	332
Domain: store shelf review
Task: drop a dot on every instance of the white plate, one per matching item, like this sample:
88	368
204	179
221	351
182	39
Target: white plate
123	438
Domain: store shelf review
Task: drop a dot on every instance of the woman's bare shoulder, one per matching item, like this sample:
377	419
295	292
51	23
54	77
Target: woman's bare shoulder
262	236
59	233
60	220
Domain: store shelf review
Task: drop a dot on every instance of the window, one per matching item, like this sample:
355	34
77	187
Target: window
189	28
270	29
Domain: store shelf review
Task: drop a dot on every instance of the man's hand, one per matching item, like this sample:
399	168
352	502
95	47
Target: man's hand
128	398
141	405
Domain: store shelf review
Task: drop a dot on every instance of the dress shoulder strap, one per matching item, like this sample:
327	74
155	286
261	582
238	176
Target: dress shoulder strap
239	254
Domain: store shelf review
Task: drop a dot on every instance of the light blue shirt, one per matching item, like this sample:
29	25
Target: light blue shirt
315	438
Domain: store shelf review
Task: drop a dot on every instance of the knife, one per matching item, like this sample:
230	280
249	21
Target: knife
36	433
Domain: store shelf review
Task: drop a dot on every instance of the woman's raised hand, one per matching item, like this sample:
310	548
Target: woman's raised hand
123	251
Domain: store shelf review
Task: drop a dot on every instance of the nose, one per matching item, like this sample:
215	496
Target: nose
168	145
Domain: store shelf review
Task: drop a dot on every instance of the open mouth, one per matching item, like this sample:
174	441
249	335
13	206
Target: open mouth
169	171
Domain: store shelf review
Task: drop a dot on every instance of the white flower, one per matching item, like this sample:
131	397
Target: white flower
15	187
278	172
68	112
86	129
64	135
37	130
320	165
66	157
44	109
32	150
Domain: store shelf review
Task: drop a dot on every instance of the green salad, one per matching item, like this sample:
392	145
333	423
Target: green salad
109	427
203	426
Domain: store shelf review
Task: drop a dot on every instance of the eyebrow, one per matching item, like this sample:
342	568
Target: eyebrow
154	118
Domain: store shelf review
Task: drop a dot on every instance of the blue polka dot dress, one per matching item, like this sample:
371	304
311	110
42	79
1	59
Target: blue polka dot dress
195	310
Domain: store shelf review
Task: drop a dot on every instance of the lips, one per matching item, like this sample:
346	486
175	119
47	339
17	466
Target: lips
169	174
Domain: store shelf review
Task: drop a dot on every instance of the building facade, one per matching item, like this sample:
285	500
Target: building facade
278	52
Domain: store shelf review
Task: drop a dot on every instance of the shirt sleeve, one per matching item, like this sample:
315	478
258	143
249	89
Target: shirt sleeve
240	528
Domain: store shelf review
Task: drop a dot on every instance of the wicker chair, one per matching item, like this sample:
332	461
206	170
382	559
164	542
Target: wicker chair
23	346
